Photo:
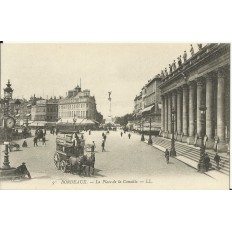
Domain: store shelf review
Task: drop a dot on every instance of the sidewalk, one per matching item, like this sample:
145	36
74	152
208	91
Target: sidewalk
212	173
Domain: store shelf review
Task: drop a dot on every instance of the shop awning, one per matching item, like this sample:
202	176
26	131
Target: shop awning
148	108
77	121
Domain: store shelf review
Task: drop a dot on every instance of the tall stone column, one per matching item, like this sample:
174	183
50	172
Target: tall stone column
166	113
199	102
192	108
170	113
185	111
174	107
221	105
162	114
179	112
209	106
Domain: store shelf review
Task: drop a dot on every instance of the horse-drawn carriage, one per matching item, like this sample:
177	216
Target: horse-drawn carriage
73	155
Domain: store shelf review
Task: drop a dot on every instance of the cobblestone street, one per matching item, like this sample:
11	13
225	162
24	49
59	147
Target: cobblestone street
128	160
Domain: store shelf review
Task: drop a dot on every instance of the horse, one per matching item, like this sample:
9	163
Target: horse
81	163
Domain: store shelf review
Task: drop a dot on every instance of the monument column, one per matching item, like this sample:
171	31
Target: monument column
185	112
192	108
162	113
179	112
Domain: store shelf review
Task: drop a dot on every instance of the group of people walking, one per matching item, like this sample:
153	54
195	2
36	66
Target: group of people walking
129	135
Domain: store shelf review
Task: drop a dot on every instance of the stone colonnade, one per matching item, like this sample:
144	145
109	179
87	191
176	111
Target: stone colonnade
208	90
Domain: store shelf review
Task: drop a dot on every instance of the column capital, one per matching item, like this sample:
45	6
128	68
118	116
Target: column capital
173	92
192	84
221	72
200	81
185	87
179	90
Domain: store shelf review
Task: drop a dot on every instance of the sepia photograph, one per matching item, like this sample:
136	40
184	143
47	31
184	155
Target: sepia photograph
115	116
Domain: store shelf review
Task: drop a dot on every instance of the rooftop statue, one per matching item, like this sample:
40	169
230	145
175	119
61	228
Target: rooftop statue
185	56
170	69
192	50
166	72
199	46
174	65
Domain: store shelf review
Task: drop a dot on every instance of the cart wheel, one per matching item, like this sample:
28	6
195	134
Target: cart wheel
63	166
56	161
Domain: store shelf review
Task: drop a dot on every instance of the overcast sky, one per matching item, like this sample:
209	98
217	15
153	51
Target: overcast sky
47	69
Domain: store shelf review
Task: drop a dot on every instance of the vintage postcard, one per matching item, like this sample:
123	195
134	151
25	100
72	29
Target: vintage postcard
114	116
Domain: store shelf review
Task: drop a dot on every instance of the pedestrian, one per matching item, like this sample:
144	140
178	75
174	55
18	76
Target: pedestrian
22	170
166	154
121	134
105	138
35	141
207	162
103	135
103	145
93	147
129	135
44	140
24	143
217	159
45	131
89	132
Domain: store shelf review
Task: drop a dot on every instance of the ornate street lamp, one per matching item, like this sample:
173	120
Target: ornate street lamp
173	150
9	123
201	163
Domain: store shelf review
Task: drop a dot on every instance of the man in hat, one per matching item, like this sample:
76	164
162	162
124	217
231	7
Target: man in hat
22	169
217	160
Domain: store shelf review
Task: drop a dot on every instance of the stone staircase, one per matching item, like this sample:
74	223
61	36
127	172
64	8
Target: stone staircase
193	153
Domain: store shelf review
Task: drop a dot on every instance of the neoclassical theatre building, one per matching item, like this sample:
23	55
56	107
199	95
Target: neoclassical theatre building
203	80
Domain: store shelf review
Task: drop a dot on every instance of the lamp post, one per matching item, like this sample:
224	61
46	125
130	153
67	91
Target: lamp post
8	124
201	163
150	140
142	136
173	150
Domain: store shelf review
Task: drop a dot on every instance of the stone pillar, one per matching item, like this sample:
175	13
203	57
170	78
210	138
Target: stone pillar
209	111
174	107
185	112
166	113
192	108
179	112
199	102
162	114
170	114
221	110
